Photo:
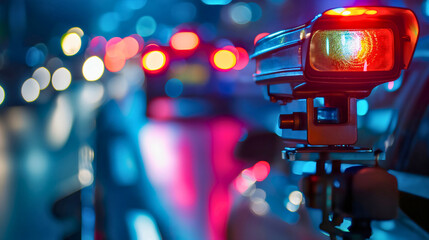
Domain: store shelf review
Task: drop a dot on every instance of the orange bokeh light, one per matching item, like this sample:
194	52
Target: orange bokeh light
184	41
129	47
113	63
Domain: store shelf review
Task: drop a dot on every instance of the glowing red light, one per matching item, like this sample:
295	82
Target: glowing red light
259	36
352	50
261	170
242	59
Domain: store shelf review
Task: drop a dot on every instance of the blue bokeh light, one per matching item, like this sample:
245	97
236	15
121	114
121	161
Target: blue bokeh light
173	88
362	107
109	22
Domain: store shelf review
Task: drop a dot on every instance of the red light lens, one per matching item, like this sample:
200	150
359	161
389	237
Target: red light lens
352	50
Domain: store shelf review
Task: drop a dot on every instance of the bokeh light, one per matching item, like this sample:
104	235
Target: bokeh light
54	63
2	95
292	207
30	90
114	60
34	57
174	88
261	170
259	207
240	13
256	11
112	49
60	122
296	197
146	26
61	79
114	64
139	39
129	46
154	61
76	30
43	77
362	107
85	177
71	43
109	22
223	59
97	46
93	68
184	41
242	59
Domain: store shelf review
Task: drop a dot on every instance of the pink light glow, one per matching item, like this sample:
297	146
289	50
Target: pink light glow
390	85
259	36
225	133
261	170
161	109
242	59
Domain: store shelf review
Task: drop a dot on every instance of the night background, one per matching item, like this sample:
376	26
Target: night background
120	120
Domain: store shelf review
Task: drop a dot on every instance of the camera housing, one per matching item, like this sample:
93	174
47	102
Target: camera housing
340	55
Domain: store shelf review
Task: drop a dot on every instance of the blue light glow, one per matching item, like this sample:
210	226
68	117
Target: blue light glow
362	107
327	46
123	163
146	26
351	44
216	2
426	8
300	168
240	13
135	4
109	22
256	11
34	57
173	88
142	226
379	120
345	225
